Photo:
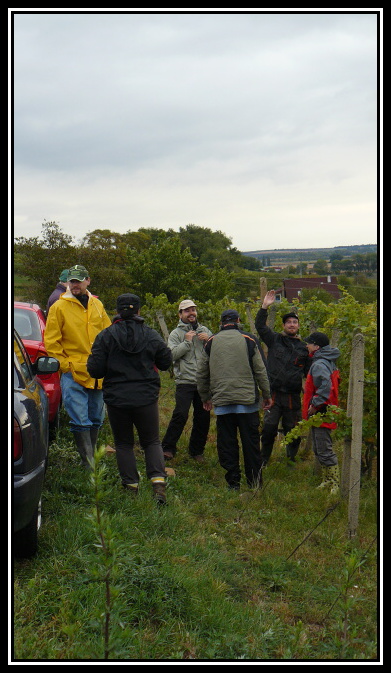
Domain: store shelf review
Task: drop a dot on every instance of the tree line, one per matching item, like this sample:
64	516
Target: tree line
164	267
194	260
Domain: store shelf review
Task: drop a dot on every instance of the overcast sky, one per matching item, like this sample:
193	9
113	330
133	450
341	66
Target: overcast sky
261	125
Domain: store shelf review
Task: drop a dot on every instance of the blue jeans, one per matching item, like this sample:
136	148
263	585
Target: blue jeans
84	406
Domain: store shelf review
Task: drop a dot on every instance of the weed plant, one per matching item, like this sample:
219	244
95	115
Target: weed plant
210	577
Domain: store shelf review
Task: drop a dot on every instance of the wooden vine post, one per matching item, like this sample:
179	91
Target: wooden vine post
262	290
250	319
163	325
351	466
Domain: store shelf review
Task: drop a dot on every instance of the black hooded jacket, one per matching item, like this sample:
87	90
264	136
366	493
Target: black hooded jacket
287	358
127	355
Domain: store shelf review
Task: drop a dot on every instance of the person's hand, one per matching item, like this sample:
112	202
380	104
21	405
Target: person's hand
203	336
269	298
189	335
312	410
267	403
207	405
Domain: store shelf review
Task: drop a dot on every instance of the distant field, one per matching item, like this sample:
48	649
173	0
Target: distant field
290	255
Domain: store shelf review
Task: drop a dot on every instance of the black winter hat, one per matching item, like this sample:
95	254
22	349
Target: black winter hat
229	315
128	301
317	338
289	315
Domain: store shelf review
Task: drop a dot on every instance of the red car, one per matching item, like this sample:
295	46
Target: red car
30	323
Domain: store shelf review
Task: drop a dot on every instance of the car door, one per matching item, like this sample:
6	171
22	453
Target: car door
32	405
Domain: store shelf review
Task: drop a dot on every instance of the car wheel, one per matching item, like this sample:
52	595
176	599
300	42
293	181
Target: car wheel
26	539
54	426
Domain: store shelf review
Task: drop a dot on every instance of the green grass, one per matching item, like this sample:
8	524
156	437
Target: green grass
206	578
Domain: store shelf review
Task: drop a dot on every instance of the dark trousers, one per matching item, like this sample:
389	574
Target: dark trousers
228	426
146	420
185	396
287	407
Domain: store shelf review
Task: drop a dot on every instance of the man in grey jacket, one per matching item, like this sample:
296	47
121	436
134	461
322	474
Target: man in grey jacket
186	342
229	376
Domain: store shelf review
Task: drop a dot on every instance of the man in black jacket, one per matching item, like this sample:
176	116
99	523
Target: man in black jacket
287	364
128	355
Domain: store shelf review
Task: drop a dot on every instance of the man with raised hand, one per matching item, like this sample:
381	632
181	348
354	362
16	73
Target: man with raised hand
287	366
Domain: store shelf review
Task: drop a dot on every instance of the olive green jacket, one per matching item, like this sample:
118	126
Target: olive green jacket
231	369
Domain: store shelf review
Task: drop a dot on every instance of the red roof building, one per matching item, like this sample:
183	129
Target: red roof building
293	286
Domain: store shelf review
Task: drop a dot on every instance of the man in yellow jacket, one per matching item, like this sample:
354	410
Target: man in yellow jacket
73	322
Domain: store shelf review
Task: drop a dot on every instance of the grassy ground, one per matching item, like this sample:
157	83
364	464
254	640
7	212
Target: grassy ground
211	577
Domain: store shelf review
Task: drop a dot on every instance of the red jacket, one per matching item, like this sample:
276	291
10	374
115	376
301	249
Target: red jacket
322	383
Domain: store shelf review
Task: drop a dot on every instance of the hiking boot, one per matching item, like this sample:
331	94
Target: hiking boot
159	492
168	455
94	432
84	447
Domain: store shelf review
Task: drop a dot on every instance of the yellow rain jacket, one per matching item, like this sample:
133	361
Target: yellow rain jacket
70	332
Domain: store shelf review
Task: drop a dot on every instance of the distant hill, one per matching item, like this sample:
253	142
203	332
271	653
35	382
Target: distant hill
310	254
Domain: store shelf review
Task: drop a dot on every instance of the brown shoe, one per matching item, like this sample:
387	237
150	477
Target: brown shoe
168	455
159	492
200	458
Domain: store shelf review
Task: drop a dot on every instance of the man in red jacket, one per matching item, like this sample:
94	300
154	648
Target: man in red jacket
321	389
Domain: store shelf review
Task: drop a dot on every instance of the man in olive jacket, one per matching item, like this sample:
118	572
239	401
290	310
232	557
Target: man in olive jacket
229	374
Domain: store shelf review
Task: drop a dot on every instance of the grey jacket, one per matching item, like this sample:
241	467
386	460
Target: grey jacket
231	369
323	365
186	354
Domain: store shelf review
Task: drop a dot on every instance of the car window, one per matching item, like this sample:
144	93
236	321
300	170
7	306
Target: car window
23	361
27	324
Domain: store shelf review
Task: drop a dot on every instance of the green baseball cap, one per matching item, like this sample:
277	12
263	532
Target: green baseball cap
77	272
63	277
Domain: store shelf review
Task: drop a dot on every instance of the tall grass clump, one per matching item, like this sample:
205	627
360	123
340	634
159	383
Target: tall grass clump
215	576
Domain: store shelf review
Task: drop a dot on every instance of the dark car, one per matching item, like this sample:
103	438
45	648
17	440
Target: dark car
31	441
30	324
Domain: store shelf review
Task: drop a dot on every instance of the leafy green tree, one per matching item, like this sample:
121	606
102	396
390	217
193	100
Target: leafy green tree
201	239
42	258
250	263
166	268
321	267
156	235
301	268
371	259
137	240
335	258
216	283
105	254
